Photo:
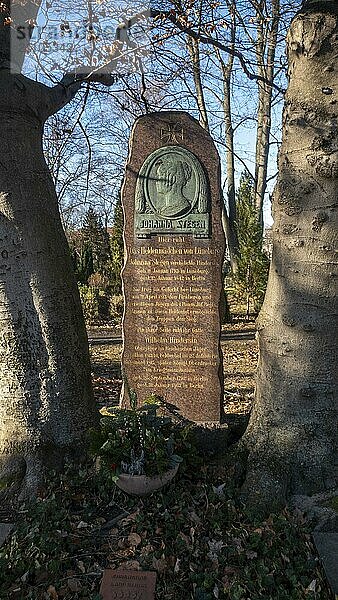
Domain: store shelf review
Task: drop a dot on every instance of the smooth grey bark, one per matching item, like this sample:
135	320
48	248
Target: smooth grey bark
46	400
292	433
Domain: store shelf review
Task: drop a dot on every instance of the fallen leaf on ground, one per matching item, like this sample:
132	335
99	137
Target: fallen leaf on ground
160	564
129	565
134	539
51	591
74	585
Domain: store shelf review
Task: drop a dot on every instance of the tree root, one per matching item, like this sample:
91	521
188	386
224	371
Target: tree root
276	472
22	475
20	478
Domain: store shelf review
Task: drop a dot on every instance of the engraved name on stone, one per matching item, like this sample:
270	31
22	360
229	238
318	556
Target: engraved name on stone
128	585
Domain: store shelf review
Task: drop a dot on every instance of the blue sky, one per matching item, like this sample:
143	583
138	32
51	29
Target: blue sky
58	49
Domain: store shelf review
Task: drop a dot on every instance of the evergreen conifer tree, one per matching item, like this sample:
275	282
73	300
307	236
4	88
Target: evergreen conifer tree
248	284
95	241
117	249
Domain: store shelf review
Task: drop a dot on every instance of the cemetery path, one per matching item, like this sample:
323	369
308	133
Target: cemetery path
239	364
113	336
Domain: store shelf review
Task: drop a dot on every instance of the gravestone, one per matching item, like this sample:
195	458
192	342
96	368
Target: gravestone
174	247
128	585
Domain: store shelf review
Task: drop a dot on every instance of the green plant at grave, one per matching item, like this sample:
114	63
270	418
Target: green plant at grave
138	441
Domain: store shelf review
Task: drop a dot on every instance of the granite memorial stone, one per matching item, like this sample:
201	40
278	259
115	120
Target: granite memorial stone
174	248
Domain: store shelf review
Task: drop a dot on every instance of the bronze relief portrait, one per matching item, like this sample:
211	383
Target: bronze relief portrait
172	192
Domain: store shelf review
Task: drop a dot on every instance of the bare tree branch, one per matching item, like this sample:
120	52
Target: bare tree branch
206	39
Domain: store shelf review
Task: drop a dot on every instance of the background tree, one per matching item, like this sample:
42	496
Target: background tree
95	237
84	264
84	160
223	62
97	264
292	434
236	77
117	249
248	283
265	48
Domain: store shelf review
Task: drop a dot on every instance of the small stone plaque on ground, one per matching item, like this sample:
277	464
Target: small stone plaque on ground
128	585
172	278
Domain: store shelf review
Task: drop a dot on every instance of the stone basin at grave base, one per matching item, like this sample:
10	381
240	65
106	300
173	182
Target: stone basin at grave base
141	485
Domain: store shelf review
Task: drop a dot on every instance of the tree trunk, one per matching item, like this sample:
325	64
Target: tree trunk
228	215
46	398
266	45
230	229
229	208
292	434
194	51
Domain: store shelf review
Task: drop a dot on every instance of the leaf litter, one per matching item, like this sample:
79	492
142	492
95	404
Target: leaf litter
195	533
